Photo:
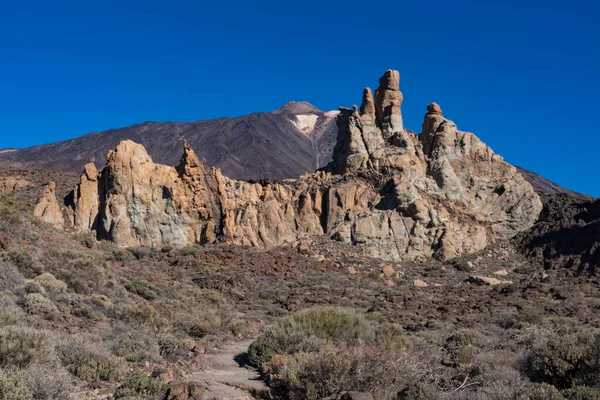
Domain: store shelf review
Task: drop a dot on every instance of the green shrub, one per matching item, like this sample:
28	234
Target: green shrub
90	363
137	346
20	346
11	315
329	324
582	393
566	359
51	285
419	391
37	304
141	387
336	368
13	387
461	265
9	212
142	289
539	391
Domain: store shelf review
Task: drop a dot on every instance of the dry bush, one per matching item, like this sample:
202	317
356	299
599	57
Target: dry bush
21	346
89	361
299	331
141	387
380	370
36	304
51	285
136	345
13	387
48	382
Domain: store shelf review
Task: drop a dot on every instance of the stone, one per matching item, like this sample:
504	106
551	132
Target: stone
419	283
389	282
387	270
304	248
47	208
487	281
185	390
351	271
501	272
11	184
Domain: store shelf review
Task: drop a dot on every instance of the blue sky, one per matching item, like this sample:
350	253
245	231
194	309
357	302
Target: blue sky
522	75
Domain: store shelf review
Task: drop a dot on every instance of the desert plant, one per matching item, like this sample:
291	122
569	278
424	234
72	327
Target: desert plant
13	387
141	387
48	382
329	324
37	304
21	346
89	362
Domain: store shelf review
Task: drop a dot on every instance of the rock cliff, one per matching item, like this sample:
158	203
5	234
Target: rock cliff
393	194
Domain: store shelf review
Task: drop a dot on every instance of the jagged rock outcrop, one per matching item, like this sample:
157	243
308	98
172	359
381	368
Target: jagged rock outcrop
389	192
47	208
11	184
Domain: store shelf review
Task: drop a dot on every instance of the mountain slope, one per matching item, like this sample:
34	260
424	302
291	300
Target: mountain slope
288	142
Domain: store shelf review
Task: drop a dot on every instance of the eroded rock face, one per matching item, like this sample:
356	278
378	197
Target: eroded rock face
47	208
11	184
393	194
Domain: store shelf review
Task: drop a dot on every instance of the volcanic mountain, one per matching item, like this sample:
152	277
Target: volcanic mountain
288	142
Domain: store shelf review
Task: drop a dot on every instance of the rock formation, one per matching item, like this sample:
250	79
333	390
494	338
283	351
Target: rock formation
11	184
47	208
391	193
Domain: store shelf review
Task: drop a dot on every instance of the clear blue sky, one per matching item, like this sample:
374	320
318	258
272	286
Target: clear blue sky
522	75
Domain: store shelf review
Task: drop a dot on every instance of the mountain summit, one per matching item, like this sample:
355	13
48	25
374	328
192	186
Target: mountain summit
297	107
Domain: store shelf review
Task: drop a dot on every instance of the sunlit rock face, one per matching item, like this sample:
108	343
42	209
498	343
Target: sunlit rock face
393	194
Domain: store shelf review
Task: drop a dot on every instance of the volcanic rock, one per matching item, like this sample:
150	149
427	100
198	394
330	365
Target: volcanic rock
11	184
393	194
47	208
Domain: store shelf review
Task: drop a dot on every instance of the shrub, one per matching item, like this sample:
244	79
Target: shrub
299	331
48	382
336	368
37	304
142	289
539	391
419	391
582	393
52	285
13	387
21	346
11	315
136	346
141	387
563	359
89	362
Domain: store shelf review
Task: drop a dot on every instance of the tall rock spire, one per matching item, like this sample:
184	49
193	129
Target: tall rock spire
367	108
388	100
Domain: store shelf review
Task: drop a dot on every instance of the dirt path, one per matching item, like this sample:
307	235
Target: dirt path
230	378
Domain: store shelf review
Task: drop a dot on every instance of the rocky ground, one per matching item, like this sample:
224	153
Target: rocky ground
240	290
